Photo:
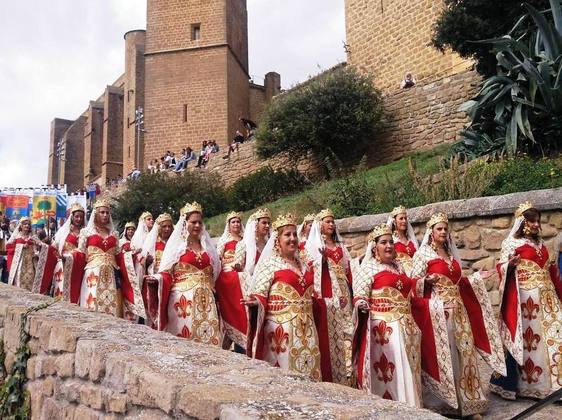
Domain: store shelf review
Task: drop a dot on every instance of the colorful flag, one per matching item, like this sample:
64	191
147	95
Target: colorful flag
62	200
17	205
44	206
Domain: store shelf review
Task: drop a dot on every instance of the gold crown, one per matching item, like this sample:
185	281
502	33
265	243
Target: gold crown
523	207
284	220
398	210
164	217
76	207
194	207
129	225
437	218
379	230
102	202
145	214
308	218
24	219
261	213
324	213
232	215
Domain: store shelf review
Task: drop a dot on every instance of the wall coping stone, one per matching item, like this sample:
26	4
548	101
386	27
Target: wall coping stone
143	369
499	205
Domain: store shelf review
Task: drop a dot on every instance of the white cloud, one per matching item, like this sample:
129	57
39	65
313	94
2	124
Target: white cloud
58	55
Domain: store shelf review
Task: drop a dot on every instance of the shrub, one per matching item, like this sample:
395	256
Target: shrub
520	108
336	113
264	186
159	193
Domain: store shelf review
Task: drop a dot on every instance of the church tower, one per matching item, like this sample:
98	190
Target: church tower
197	81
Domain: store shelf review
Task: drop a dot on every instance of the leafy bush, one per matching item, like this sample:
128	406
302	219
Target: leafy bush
336	113
520	109
464	21
159	193
525	174
263	186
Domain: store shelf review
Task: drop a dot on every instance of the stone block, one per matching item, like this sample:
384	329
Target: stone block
70	390
85	413
548	231
502	222
53	409
92	396
45	365
116	403
555	219
492	239
487	263
63	338
153	390
471	237
64	365
472	254
30	368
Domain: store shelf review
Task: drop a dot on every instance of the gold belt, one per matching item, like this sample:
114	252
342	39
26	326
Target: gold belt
447	291
388	303
531	275
97	258
187	281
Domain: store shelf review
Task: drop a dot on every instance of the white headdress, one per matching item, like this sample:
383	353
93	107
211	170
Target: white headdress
90	227
127	226
17	231
390	222
62	233
441	218
519	218
270	250
137	241
307	218
149	246
250	238
377	231
177	244
226	233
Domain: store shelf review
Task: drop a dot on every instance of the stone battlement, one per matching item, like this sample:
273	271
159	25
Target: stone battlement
85	365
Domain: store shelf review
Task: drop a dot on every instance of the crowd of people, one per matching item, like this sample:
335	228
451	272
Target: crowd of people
401	322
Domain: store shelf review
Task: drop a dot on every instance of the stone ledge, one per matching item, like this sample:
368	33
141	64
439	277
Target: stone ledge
499	205
125	369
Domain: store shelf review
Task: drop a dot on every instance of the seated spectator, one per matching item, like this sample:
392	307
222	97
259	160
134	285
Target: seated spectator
408	81
187	157
163	166
152	166
250	127
134	174
214	147
202	154
237	141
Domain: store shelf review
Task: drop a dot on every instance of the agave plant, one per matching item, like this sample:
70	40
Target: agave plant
520	109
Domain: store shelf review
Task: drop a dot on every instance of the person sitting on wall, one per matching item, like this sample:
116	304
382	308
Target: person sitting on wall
408	81
188	156
202	153
236	142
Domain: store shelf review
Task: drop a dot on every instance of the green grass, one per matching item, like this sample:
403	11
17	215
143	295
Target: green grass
314	198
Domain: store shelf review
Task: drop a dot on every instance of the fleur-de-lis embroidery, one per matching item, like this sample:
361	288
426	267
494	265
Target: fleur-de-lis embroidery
90	301
529	372
384	369
530	339
529	309
185	333
279	338
382	333
91	280
470	382
182	307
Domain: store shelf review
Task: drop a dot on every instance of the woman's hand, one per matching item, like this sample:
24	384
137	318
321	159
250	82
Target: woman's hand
237	267
431	279
151	280
363	306
322	252
250	301
486	274
514	260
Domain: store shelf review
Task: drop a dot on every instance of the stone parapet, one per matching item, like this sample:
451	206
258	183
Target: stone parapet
86	365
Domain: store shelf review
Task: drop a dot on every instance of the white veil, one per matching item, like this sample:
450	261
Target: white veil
315	243
411	235
450	242
149	245
90	227
177	245
251	246
17	231
62	233
368	254
137	241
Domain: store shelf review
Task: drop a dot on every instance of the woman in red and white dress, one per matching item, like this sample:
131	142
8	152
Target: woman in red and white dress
530	312
256	234
66	243
302	232
458	324
30	262
230	284
280	296
332	284
405	241
183	293
126	236
387	340
98	246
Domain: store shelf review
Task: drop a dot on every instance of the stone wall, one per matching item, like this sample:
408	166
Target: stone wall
86	365
245	161
479	225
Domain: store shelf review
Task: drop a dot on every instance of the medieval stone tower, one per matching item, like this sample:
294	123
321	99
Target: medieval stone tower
196	63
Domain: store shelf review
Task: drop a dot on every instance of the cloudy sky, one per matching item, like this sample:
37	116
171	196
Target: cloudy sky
56	55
